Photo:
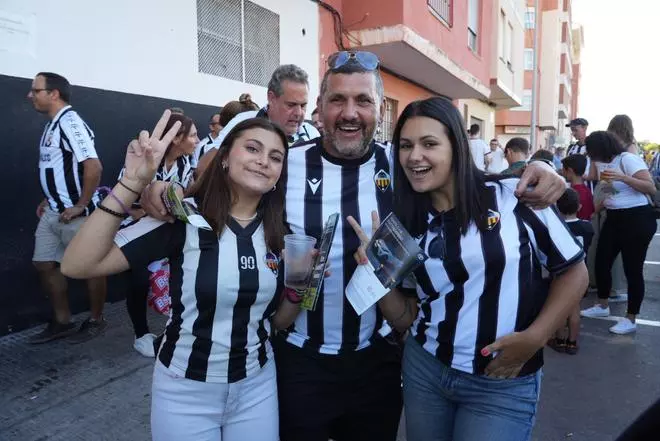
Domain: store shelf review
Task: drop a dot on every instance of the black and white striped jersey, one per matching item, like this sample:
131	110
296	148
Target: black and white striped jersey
202	147
319	185
489	283
67	141
181	171
306	131
576	149
223	291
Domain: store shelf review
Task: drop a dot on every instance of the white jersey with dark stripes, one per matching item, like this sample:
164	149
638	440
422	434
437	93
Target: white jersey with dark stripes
181	171
489	284
319	185
202	147
576	149
67	141
223	291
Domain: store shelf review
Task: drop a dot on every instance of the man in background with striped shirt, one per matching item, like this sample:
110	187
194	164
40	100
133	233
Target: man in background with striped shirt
70	172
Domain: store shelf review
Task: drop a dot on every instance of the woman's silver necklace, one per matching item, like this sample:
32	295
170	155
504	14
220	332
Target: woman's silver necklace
240	219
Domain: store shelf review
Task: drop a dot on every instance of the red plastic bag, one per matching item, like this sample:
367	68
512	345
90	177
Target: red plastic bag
159	287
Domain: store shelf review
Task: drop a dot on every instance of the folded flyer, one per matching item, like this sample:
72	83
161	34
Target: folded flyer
393	254
184	210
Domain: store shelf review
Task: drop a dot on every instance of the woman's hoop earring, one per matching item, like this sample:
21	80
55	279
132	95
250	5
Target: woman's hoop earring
225	166
274	187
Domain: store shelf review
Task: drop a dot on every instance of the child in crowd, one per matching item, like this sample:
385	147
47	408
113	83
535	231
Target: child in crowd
569	207
574	167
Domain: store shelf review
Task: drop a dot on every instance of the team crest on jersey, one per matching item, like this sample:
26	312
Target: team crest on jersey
272	262
49	139
382	179
493	219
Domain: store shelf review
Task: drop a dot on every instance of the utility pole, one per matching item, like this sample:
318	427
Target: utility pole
535	79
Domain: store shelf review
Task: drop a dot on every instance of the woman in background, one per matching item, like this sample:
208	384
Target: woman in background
629	223
175	168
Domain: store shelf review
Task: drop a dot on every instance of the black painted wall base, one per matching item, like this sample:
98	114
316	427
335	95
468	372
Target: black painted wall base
115	118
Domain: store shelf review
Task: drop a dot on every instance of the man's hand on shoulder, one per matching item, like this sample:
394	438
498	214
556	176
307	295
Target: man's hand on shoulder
152	201
548	185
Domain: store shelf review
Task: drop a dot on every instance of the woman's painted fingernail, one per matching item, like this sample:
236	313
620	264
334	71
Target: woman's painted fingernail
485	352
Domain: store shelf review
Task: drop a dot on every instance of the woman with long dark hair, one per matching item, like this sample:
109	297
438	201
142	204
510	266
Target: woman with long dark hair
629	223
214	376
472	364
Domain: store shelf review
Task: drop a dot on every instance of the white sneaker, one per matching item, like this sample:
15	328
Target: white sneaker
625	326
595	311
619	298
145	345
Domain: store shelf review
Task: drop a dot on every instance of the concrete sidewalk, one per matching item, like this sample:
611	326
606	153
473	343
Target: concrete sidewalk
99	390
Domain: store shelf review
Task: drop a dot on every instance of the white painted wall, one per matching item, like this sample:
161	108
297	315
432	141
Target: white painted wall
481	111
146	47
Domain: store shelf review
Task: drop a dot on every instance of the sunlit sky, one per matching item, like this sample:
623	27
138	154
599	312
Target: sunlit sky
620	63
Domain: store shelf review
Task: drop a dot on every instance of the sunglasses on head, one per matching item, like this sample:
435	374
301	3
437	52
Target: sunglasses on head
367	60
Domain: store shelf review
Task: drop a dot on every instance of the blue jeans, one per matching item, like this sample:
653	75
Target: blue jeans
444	404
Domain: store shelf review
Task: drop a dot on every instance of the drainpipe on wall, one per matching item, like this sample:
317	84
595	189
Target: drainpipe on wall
535	79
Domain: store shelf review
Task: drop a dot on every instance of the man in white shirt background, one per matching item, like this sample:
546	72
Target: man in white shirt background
495	160
478	147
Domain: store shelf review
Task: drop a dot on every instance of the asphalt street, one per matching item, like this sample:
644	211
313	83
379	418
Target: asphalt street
100	390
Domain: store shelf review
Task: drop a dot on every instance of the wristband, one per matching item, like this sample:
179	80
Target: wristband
119	201
128	188
112	212
293	296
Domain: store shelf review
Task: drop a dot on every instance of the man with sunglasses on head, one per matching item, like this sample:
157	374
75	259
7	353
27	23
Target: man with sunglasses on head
338	375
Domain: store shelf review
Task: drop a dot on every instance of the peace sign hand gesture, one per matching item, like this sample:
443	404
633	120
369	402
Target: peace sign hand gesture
143	155
361	253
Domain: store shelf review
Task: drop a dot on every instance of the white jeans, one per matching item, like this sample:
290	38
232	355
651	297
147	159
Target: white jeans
189	410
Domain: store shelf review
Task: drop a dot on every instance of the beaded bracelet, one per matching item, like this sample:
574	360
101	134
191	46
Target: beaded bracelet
113	196
110	211
128	188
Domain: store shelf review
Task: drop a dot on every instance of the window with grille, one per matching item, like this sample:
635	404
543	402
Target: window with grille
386	130
238	40
442	9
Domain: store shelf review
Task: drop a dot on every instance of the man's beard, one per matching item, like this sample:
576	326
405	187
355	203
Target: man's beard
351	149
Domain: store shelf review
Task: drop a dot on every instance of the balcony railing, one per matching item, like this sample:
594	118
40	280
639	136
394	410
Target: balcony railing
441	8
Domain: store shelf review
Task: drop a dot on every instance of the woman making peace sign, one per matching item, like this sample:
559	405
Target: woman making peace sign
214	376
